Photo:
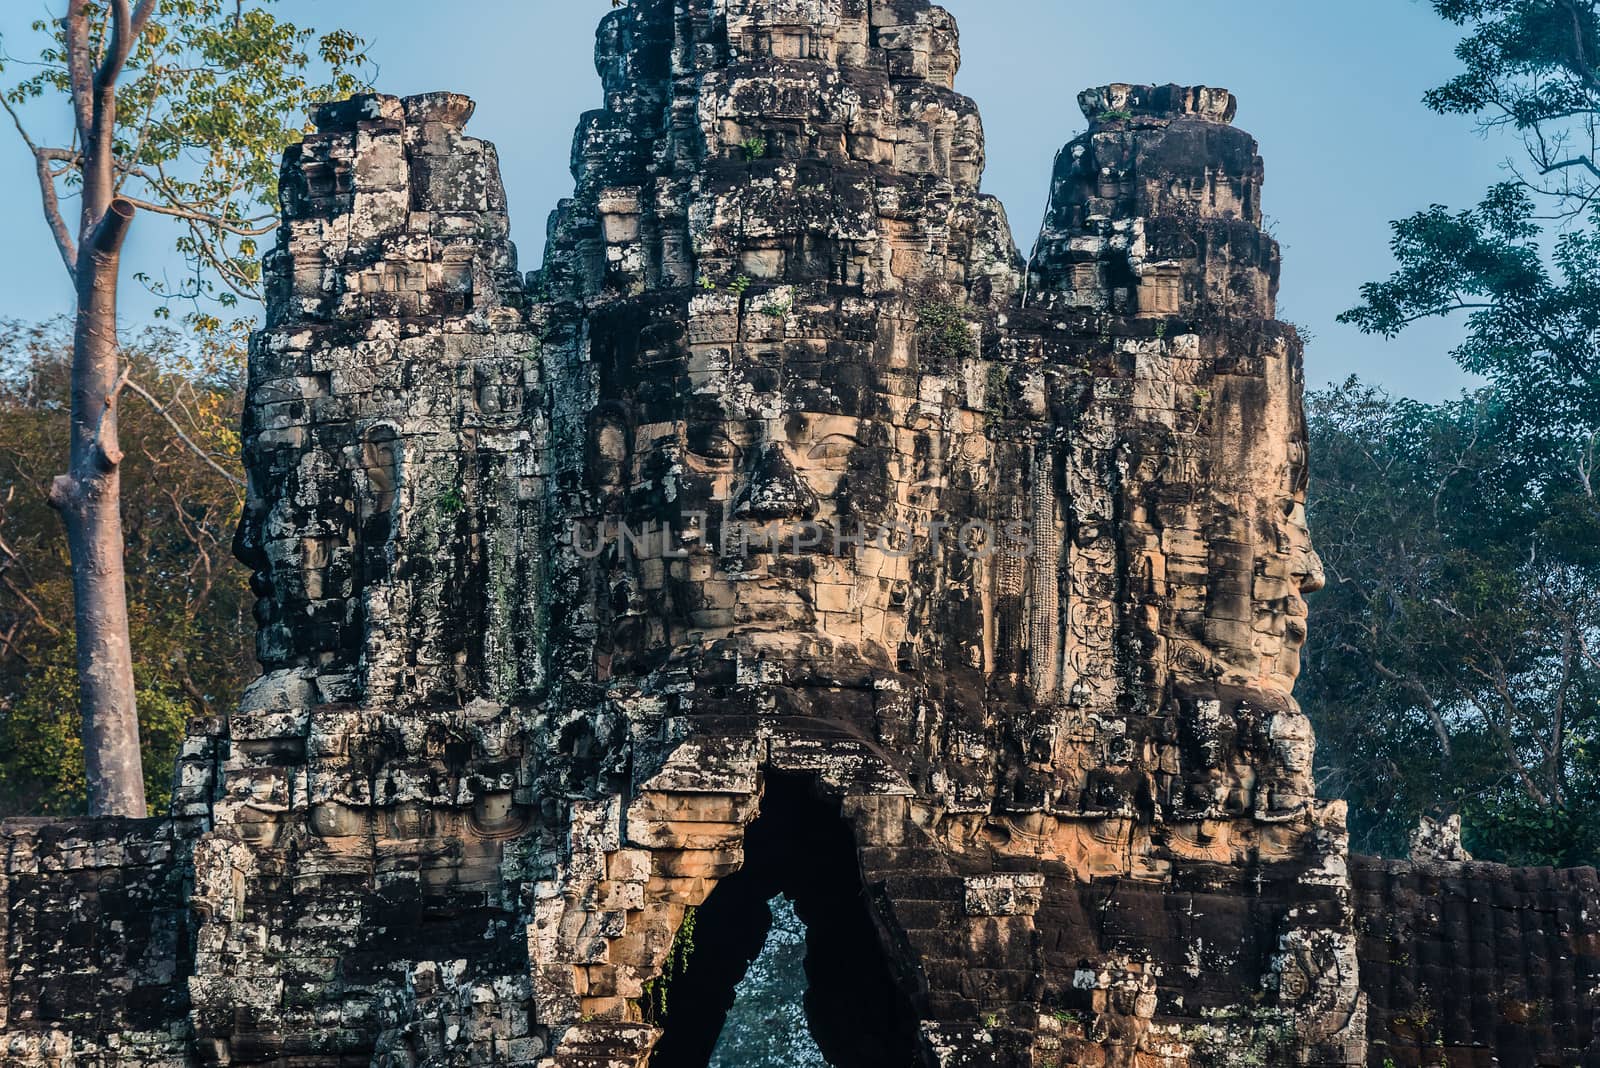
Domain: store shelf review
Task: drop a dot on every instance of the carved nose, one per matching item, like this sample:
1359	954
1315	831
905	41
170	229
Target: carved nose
247	547
774	489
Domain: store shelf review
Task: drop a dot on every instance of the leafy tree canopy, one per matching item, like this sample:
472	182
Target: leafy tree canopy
1454	661
189	610
211	94
1524	265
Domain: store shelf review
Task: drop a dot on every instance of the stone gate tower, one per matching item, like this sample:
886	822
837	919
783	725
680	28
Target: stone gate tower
787	532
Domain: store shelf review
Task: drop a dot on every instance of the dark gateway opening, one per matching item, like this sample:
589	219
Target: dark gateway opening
800	848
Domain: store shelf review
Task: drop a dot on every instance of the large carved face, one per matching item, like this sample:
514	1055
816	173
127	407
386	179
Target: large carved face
781	492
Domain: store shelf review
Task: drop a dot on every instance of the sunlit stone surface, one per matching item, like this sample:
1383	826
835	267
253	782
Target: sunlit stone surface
786	532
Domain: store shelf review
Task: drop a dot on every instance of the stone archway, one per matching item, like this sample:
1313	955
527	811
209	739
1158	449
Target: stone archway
799	847
603	931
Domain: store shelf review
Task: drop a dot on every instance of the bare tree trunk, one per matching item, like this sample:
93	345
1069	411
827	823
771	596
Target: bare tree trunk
89	495
89	498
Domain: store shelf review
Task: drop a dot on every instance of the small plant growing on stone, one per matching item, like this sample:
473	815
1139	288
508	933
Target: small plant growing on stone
1114	115
1239	1038
776	309
705	283
754	147
1161	330
740	284
451	502
676	964
944	331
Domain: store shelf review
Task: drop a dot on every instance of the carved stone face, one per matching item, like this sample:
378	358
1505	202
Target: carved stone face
778	493
1306	576
1285	578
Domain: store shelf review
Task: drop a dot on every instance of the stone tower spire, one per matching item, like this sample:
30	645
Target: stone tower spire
778	140
784	533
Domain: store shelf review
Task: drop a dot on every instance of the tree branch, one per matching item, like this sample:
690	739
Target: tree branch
109	454
1509	749
1411	685
142	15
121	44
205	219
17	591
160	410
52	216
112	228
80	75
181	663
1555	769
32	606
1577	161
42	158
1580	55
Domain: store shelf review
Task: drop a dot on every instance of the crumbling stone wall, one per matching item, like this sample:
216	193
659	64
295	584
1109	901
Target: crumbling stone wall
1478	964
786	485
97	943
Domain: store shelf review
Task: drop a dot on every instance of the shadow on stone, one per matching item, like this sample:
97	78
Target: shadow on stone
799	848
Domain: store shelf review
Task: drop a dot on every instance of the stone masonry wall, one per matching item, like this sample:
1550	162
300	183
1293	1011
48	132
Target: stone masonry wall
1476	964
786	532
97	943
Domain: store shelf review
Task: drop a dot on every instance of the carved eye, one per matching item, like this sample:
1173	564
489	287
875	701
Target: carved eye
833	447
711	445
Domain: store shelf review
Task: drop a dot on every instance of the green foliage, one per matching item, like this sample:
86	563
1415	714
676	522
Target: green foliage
1114	115
1533	324
656	1005
1453	663
211	95
754	147
1240	1038
42	771
189	607
739	285
1531	293
766	1025
944	331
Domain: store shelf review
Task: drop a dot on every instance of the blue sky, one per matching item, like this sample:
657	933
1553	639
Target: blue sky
1331	90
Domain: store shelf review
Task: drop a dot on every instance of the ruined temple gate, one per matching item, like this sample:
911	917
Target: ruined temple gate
787	532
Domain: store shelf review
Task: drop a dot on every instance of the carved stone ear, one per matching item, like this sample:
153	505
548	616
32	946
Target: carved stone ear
609	445
380	463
